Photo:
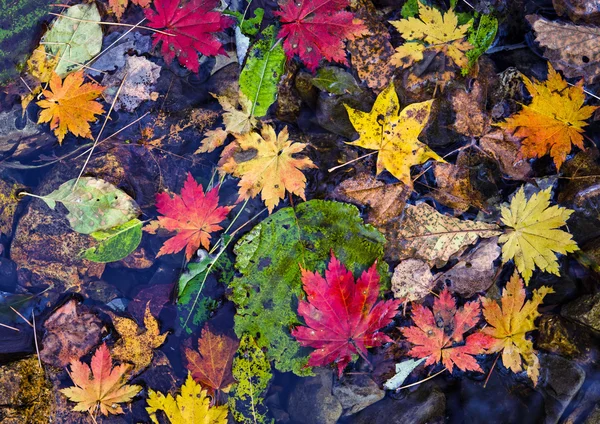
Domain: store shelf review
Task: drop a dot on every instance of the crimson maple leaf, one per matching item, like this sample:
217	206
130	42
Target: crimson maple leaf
316	29
342	317
193	215
191	28
438	335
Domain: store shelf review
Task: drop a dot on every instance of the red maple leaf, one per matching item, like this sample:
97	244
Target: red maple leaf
193	215
342	317
438	335
191	29
316	29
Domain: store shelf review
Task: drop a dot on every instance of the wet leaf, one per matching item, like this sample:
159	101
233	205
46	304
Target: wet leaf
101	387
40	66
335	80
454	188
118	6
481	37
403	370
8	205
504	148
471	118
412	280
115	243
510	321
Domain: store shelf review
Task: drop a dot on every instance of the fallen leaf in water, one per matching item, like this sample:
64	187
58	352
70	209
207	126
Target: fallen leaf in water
118	6
412	280
454	188
471	118
504	148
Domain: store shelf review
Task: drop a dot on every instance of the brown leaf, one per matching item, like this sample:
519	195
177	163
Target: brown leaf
579	10
412	280
582	172
71	332
471	118
504	148
454	188
574	49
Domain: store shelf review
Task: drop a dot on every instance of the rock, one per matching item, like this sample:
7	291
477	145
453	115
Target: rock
565	338
25	395
560	380
585	310
311	401
356	392
20	136
425	405
594	417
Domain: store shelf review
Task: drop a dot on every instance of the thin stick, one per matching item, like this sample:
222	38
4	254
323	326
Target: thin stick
22	317
26	85
491	370
349	162
72	61
8	326
37	348
421	381
585	91
113	23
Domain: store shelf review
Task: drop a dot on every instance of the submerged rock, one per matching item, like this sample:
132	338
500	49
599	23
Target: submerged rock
312	401
356	392
585	310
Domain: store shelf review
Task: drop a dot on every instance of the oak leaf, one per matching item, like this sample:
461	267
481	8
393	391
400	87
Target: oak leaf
510	321
211	364
271	170
393	133
191	406
342	317
69	105
317	29
103	387
534	237
137	346
193	215
438	334
554	119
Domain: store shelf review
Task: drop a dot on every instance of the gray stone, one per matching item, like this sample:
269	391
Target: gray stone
594	417
311	401
356	392
585	310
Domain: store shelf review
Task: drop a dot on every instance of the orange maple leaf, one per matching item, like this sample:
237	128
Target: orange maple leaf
104	390
69	105
119	6
554	119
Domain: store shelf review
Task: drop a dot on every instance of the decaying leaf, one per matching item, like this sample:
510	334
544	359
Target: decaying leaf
136	346
393	133
504	148
100	388
534	237
412	280
471	118
191	406
403	370
118	6
9	203
211	364
554	119
40	66
266	165
429	235
454	188
69	105
510	321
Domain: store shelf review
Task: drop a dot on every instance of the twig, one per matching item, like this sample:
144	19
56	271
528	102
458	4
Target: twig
22	317
37	348
420	381
352	161
491	370
112	23
9	327
585	91
71	61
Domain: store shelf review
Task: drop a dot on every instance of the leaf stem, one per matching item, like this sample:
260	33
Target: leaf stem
351	161
491	370
420	381
113	23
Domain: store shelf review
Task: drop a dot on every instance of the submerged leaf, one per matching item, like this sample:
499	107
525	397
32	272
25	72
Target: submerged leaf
115	243
403	370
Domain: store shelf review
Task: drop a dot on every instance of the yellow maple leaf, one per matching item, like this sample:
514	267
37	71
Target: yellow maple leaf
40	66
534	238
394	133
191	406
510	321
136	346
554	119
266	164
438	32
69	105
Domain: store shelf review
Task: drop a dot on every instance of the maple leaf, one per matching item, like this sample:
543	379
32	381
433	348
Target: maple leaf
342	317
438	33
554	119
534	238
104	390
272	170
191	406
510	321
438	335
69	105
136	346
39	66
119	6
211	365
393	133
193	215
191	29
317	29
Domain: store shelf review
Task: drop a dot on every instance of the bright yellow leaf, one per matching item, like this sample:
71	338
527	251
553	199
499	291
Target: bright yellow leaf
510	321
393	134
40	66
191	406
533	238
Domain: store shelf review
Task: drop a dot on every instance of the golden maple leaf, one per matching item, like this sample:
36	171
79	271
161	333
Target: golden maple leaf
554	119
394	133
69	105
534	238
191	406
104	390
136	346
510	321
271	169
40	66
438	33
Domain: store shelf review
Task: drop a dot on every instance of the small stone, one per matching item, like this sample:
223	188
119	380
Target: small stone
585	310
356	392
311	401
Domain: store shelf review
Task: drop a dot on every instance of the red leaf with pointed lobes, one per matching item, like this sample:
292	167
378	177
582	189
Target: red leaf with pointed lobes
342	317
193	215
192	29
438	335
317	29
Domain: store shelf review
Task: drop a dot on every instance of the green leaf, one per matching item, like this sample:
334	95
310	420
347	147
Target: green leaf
249	26
403	370
269	259
261	74
115	243
336	81
481	39
252	371
93	204
75	41
410	9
